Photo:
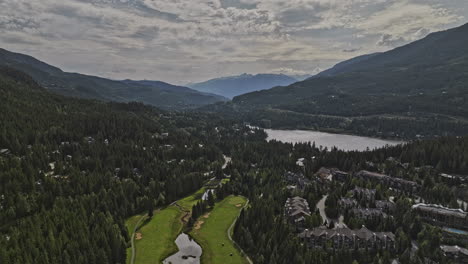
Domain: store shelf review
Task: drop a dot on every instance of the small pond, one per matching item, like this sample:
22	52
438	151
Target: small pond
189	251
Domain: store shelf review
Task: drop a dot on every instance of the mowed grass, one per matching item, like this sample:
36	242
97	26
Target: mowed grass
188	202
213	233
130	224
158	236
159	233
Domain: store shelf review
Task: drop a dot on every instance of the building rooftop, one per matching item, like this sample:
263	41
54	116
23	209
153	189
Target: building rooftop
439	209
454	249
363	233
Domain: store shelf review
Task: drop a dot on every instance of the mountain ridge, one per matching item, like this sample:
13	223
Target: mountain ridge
230	86
93	87
418	88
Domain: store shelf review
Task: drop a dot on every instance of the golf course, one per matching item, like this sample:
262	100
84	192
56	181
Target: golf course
211	232
154	238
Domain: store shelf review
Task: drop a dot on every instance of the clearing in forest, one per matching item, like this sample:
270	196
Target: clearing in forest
159	233
212	236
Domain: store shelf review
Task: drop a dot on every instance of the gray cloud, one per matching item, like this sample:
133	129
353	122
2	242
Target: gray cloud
183	40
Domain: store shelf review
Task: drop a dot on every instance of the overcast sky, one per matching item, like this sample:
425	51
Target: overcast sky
181	41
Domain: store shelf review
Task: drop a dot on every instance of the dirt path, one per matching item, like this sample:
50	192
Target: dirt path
232	240
132	259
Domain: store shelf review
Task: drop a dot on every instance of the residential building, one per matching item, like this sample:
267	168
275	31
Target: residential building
347	239
363	193
297	179
396	183
443	216
456	253
347	203
386	206
340	175
368	213
296	210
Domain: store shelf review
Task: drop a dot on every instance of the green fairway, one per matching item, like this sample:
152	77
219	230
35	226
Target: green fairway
191	200
157	236
213	232
130	224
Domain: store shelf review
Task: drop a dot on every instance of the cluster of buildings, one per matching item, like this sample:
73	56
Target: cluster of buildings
347	239
442	216
296	180
396	183
370	209
296	210
326	174
393	182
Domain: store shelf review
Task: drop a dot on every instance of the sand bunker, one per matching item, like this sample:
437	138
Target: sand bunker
138	236
198	225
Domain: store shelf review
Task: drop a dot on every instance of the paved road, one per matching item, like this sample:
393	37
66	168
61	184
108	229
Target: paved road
230	238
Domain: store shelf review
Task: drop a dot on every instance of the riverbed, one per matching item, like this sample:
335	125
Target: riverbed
329	140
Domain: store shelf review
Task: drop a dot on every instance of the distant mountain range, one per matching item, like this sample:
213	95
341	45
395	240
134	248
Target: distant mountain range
244	83
423	82
154	93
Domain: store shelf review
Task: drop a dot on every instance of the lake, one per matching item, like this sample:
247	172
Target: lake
329	140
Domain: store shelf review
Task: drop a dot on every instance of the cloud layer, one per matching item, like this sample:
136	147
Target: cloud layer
181	41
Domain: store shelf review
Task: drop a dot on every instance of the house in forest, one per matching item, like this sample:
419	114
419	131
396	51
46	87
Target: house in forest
340	175
347	203
396	183
296	210
297	179
386	206
368	213
363	193
442	216
348	239
4	152
455	253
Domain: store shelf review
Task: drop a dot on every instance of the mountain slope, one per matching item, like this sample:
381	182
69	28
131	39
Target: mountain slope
91	87
344	66
433	67
426	80
170	87
245	83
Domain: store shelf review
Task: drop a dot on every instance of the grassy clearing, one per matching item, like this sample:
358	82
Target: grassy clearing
159	233
213	232
191	200
157	236
130	224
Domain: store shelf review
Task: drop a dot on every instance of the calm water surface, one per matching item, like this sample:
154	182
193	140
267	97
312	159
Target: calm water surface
329	140
189	251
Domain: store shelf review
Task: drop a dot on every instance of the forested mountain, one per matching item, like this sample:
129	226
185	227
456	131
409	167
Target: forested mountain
71	170
344	66
74	169
84	86
245	83
425	81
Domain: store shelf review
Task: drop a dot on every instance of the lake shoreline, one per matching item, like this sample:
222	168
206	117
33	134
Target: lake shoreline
344	142
337	132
